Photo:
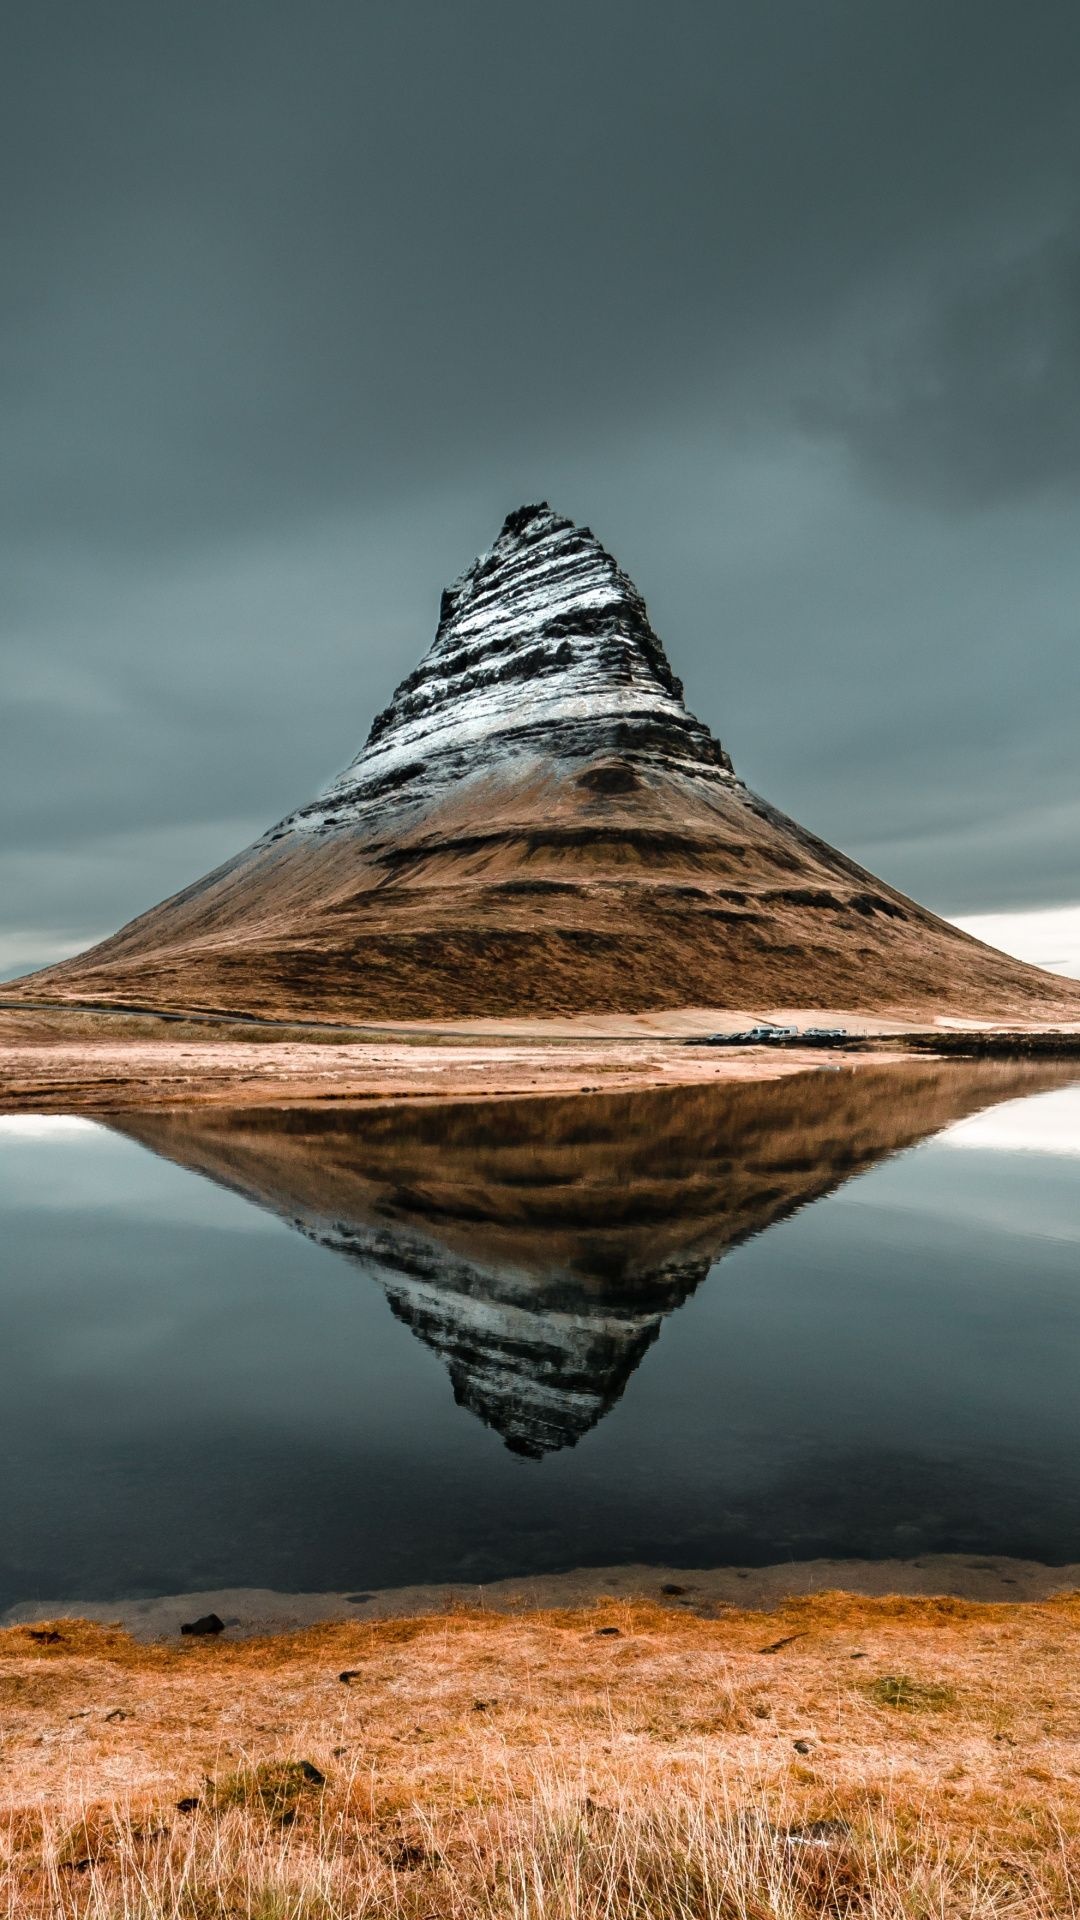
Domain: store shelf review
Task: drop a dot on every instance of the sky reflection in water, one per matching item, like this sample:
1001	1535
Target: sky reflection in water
231	1344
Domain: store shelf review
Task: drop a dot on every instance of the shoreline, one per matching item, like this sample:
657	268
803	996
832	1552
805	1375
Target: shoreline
99	1079
76	1060
698	1592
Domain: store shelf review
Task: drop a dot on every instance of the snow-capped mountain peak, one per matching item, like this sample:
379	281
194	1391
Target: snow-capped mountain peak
543	649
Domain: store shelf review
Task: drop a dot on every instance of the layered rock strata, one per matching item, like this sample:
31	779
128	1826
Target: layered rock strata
544	652
537	825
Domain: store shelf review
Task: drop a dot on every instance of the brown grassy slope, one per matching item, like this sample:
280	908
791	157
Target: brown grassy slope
601	889
841	1756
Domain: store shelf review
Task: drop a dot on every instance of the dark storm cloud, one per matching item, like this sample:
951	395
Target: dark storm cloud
979	398
298	300
274	254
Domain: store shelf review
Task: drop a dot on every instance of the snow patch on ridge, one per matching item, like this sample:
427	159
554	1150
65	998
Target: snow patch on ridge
544	647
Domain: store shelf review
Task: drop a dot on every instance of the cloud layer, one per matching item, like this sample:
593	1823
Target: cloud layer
784	301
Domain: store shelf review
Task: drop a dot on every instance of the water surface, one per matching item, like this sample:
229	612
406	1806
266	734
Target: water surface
323	1349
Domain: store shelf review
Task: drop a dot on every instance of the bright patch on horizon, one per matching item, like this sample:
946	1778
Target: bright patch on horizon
1041	1123
38	1126
22	950
1046	937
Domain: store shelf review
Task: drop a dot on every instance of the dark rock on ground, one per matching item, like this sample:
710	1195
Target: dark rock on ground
207	1623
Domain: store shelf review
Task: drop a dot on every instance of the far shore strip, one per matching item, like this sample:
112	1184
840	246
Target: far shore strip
76	1060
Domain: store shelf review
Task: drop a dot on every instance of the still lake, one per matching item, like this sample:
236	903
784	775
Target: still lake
336	1349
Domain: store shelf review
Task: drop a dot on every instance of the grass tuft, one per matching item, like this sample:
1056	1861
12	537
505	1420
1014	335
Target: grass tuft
274	1786
680	1849
911	1696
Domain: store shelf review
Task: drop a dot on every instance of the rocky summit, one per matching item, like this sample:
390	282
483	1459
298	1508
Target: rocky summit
543	651
537	825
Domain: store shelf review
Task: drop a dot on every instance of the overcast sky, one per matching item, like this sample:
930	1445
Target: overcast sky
301	296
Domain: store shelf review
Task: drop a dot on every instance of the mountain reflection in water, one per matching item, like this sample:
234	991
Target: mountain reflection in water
537	1245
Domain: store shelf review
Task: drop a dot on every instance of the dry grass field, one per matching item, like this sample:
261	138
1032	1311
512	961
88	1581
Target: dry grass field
83	1062
839	1756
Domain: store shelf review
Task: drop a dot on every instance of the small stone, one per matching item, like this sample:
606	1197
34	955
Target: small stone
818	1833
188	1804
671	1586
206	1623
802	1746
611	1633
350	1674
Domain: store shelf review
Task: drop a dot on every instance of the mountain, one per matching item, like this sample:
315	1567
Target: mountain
538	1245
538	825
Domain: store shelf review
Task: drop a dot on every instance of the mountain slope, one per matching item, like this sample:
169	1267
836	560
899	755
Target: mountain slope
538	825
